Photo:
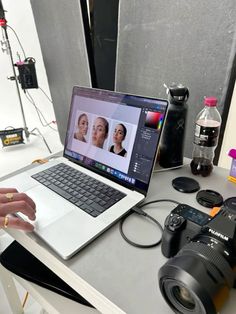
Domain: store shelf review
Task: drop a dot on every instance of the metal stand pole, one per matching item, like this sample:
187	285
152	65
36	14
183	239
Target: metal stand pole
26	130
8	46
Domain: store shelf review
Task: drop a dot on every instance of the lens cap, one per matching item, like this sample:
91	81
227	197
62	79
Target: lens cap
230	203
185	184
209	198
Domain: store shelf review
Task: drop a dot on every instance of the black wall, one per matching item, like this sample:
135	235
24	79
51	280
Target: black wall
104	19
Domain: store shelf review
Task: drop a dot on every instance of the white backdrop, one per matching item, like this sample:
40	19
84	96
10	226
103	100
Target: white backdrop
20	18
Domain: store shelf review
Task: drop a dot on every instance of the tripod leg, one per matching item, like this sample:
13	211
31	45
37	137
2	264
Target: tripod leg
10	290
42	137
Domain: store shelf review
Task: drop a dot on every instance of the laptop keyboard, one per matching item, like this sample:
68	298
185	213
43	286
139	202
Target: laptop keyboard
89	194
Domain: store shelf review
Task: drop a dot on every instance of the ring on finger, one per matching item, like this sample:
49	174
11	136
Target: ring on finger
6	221
9	196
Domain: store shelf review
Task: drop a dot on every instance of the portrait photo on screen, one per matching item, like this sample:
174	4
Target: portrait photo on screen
120	138
82	127
100	131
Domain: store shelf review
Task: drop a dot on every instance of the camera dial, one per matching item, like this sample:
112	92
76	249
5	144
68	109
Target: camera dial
175	222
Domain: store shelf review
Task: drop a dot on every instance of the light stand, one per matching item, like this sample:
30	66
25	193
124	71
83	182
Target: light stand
3	24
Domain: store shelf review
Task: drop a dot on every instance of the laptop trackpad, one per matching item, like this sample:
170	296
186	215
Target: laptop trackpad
49	206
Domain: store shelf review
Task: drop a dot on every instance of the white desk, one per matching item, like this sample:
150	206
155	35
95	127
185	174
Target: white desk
116	277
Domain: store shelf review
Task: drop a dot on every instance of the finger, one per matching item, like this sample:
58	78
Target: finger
29	200
7	190
17	197
17	206
16	223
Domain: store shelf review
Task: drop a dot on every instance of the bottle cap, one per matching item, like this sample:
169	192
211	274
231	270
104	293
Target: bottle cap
209	198
178	92
232	153
185	184
210	101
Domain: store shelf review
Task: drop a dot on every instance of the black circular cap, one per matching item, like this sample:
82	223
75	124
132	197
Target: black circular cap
209	198
185	184
230	203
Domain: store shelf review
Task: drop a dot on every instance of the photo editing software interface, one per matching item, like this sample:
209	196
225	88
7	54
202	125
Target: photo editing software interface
115	134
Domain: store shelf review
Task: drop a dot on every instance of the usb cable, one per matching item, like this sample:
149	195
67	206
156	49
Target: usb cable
139	211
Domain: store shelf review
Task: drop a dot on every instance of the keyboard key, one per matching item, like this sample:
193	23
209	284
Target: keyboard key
79	203
74	200
94	213
88	210
97	207
59	191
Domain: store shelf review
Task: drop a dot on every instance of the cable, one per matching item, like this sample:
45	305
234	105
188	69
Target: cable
171	168
46	95
158	201
138	210
27	59
18	40
166	169
39	113
143	246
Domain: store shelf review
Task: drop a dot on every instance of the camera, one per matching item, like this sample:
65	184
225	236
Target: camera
201	271
180	227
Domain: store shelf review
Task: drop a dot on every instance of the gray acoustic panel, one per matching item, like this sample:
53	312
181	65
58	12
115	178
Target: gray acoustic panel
61	34
189	42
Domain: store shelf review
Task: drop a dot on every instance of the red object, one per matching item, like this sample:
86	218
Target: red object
210	101
232	153
3	22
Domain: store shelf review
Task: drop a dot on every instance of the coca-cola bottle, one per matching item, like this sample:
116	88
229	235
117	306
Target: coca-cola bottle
206	135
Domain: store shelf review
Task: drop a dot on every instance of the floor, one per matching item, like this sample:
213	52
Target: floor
15	157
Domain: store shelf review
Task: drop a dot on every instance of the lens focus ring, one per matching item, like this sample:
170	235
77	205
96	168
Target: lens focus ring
212	256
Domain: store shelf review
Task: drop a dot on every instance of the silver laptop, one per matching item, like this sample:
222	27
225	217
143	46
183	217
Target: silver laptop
108	158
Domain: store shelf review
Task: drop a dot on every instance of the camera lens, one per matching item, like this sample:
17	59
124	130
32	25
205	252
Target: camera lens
197	280
184	297
179	296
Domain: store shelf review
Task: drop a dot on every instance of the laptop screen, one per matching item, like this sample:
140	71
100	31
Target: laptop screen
115	134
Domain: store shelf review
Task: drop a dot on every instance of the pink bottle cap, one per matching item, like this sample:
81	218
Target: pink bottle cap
210	101
232	153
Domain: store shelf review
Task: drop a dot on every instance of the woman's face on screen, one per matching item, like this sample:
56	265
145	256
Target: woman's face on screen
83	125
118	135
99	132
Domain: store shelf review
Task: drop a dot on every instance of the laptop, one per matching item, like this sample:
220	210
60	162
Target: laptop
109	154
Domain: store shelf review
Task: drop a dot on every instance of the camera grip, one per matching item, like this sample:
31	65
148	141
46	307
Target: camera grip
171	235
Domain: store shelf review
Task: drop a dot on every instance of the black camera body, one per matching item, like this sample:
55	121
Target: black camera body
27	73
201	272
183	223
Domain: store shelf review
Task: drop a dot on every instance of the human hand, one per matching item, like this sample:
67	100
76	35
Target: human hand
11	202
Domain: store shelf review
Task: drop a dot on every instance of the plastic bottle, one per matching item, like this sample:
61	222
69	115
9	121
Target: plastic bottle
172	142
207	129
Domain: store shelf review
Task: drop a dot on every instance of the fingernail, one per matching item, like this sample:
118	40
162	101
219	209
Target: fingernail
33	217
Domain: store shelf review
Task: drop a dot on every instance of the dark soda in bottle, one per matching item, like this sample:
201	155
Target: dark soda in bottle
207	130
201	166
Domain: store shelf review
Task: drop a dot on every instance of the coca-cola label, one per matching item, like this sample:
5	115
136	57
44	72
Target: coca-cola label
206	136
